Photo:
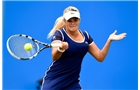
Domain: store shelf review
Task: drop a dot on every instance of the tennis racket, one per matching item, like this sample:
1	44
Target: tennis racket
15	46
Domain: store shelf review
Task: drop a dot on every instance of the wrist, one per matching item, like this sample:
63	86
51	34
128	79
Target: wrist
109	40
60	50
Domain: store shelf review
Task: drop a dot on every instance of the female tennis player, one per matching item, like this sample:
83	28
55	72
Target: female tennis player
64	72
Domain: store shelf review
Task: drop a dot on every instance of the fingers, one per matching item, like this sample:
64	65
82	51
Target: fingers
123	35
64	45
114	36
115	32
56	43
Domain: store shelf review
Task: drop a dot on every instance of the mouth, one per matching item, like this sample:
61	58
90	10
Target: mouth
72	26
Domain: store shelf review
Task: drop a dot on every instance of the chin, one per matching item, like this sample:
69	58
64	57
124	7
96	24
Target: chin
73	29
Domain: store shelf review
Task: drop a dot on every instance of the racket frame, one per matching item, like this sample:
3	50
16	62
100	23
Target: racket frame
46	45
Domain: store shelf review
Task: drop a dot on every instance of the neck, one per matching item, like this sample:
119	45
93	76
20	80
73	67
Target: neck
72	33
75	35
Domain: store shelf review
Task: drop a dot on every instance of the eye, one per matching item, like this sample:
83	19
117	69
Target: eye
69	20
73	19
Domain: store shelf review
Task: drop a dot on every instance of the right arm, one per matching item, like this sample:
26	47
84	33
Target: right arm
56	54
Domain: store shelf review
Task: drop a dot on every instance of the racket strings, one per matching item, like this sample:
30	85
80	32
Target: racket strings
16	45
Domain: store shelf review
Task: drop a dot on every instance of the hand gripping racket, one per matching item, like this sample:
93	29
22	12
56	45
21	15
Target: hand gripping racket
15	46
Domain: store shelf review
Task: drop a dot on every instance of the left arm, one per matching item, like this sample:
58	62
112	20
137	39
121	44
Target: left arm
101	54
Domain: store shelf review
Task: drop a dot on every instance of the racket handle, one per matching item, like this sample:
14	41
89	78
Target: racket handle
55	45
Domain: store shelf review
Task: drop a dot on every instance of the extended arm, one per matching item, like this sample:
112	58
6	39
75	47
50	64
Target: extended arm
57	38
56	54
101	54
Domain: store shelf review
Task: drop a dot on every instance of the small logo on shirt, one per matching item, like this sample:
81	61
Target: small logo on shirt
86	42
54	37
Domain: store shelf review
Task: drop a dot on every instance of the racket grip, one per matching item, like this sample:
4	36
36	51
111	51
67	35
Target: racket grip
55	45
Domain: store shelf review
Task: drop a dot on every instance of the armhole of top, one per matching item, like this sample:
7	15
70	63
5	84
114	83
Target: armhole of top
61	35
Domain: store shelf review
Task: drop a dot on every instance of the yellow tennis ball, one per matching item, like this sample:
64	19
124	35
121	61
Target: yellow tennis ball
27	46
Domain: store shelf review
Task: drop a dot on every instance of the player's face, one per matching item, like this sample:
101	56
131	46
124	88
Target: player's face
72	24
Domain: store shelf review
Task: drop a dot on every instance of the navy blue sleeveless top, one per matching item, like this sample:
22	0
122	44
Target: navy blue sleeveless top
63	74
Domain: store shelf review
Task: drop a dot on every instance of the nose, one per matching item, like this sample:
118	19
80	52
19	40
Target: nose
72	22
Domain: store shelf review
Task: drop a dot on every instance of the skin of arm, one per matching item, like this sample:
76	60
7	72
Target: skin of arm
101	54
55	53
97	53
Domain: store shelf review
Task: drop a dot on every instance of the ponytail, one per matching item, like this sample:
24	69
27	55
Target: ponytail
59	24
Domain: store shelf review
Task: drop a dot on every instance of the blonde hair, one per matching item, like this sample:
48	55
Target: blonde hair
59	23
